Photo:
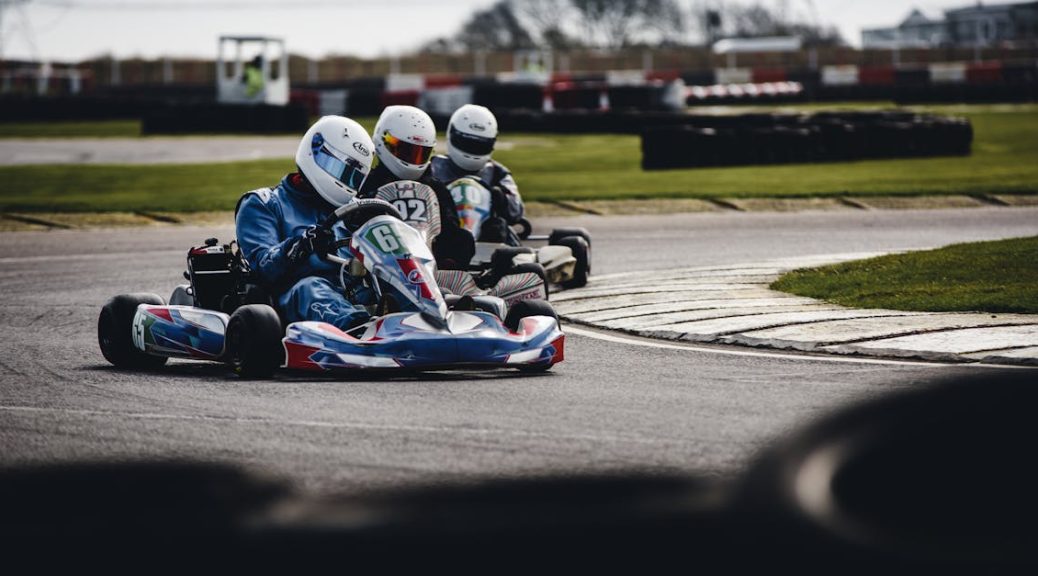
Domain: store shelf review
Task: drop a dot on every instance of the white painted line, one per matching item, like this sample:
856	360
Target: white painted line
634	341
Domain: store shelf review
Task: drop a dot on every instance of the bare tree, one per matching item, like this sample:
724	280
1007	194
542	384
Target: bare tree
496	28
548	20
616	23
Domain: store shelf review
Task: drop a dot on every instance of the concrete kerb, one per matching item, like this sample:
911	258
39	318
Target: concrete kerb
20	221
696	305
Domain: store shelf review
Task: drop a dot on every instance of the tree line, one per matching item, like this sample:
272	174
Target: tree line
613	24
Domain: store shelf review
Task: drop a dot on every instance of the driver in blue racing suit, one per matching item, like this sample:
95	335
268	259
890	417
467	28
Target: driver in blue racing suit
278	233
471	136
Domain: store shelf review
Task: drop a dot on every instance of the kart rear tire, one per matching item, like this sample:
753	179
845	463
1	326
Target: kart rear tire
525	309
115	332
582	252
253	341
533	268
501	261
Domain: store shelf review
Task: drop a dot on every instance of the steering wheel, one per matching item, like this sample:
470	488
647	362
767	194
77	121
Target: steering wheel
356	213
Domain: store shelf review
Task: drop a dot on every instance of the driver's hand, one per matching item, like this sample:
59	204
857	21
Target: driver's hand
314	240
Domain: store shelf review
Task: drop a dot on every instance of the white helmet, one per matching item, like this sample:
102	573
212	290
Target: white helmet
335	156
471	136
404	140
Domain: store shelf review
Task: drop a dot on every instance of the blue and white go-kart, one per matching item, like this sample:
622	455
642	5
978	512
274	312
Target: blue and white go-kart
216	318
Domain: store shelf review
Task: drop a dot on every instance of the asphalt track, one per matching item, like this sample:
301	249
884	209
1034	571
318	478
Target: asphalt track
615	404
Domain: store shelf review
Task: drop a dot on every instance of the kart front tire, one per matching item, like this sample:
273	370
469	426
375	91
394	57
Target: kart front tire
560	233
253	341
582	252
525	309
115	332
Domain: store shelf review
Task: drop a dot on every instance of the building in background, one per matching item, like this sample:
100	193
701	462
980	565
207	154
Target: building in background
976	25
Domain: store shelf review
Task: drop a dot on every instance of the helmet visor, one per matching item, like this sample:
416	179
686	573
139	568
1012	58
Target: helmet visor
471	143
342	167
406	151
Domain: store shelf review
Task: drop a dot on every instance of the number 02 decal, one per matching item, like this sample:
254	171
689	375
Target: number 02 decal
411	209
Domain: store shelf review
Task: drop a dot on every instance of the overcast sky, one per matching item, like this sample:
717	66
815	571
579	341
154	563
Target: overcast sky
79	29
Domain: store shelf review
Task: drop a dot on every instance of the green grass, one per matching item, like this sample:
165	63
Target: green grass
554	167
999	276
606	167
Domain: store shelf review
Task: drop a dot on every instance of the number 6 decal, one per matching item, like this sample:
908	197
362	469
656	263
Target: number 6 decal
385	238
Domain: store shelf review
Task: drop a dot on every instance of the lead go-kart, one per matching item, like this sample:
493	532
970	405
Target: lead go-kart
223	316
564	254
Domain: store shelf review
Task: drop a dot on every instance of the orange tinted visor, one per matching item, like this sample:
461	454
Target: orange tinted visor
406	151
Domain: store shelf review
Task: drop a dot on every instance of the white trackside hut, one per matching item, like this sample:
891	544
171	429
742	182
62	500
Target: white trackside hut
252	70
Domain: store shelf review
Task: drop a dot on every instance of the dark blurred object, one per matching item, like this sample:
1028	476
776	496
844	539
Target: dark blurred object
933	480
939	477
699	141
225	118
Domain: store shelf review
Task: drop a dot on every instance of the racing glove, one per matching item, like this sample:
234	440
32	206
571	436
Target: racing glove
314	240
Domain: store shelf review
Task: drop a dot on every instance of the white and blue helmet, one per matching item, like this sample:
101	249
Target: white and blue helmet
335	156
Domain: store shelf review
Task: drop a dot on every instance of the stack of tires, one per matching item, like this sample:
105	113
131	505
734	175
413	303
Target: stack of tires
783	139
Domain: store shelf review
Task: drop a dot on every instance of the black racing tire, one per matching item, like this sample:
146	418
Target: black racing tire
181	296
582	252
560	233
253	341
501	259
535	268
115	332
525	309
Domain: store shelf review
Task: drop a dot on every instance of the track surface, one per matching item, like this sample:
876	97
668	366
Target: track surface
612	405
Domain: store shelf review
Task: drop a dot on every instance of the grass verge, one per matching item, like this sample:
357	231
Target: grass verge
574	168
999	277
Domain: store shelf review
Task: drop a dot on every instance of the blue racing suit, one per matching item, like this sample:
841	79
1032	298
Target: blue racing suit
268	223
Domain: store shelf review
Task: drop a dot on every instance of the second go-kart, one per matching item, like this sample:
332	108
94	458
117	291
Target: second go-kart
511	282
566	257
414	327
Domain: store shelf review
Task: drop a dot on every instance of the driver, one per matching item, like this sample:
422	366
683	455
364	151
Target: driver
471	135
277	228
404	138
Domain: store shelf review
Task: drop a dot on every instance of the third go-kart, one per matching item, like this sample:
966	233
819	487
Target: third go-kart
220	317
566	257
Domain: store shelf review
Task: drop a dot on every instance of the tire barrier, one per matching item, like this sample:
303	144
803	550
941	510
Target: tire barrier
66	108
785	139
508	96
226	118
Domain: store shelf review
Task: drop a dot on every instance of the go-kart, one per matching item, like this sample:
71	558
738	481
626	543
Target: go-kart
511	282
225	324
566	258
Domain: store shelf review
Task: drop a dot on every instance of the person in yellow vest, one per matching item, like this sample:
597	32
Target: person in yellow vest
253	77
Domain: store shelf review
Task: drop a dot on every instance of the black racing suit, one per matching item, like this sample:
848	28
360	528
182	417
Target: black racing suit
493	174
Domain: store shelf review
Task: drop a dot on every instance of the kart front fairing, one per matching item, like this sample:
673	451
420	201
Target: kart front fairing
408	340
